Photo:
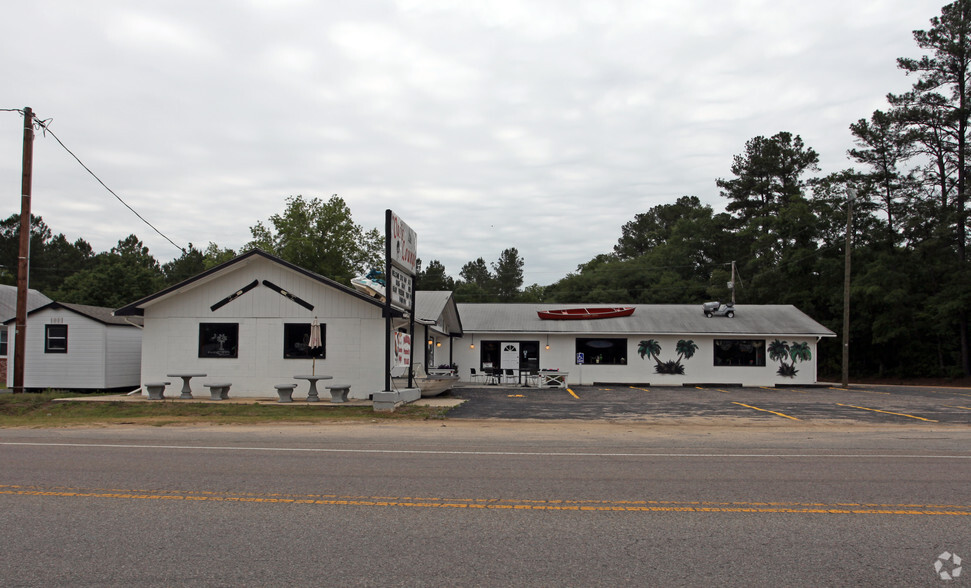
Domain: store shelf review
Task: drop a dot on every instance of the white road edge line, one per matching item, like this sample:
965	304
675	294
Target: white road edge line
509	453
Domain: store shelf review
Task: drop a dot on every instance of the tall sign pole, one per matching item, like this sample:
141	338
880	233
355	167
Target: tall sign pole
850	197
23	257
401	258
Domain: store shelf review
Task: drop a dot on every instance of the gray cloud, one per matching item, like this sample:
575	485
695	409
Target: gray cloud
538	125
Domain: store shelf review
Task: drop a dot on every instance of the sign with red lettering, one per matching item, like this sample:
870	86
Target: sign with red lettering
402	349
404	245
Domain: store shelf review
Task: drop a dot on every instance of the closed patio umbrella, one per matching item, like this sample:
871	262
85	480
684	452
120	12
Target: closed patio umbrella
314	343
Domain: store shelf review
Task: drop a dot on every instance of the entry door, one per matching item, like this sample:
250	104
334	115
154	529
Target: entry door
509	355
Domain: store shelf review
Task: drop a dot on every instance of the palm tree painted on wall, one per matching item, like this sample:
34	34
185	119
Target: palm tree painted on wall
685	348
781	351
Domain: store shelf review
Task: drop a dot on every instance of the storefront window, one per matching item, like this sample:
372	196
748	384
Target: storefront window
740	352
296	341
490	354
218	340
602	351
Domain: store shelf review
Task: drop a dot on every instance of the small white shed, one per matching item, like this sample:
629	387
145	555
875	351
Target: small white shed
79	347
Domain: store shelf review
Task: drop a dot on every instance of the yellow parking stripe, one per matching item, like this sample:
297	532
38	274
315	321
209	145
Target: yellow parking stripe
570	390
910	416
765	410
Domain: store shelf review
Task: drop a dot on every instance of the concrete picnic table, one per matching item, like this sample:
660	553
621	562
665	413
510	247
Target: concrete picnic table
186	390
312	395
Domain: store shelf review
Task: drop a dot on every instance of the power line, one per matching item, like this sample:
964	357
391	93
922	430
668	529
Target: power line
45	125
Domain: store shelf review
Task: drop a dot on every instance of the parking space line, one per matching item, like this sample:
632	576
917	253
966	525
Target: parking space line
641	389
720	390
910	416
766	410
573	394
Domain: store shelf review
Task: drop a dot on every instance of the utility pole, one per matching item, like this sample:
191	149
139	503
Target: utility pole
850	197
23	258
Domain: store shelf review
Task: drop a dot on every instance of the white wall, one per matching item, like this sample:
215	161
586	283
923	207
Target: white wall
123	356
354	344
699	369
87	364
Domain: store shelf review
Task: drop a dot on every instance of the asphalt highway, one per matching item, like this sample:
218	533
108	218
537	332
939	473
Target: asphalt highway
840	497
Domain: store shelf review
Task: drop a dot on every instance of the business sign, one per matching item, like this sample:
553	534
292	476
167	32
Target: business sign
402	349
402	289
404	245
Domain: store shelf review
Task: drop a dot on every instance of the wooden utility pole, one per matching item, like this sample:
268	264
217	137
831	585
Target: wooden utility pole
23	258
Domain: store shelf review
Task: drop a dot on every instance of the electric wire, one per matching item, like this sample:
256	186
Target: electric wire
45	126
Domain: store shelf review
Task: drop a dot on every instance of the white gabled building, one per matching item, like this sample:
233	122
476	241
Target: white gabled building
659	344
78	347
247	322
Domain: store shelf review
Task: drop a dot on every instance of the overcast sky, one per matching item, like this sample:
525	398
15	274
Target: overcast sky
540	125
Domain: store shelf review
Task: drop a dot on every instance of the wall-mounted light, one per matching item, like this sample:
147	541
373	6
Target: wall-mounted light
472	345
430	342
439	344
547	341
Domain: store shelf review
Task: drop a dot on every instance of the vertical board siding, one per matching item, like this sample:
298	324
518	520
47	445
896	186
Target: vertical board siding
354	337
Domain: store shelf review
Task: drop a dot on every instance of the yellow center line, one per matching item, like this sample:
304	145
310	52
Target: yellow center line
964	407
573	394
910	416
765	410
503	503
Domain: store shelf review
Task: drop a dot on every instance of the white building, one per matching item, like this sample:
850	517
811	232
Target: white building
690	348
8	310
247	322
78	347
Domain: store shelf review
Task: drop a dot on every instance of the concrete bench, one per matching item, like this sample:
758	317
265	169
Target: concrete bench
339	392
285	391
156	390
218	391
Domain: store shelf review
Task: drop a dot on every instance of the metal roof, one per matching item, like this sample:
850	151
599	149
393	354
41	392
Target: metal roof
439	308
661	319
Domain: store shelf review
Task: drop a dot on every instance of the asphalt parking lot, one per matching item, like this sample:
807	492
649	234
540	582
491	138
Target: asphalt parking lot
858	404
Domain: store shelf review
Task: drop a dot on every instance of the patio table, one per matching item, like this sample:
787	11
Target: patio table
186	390
312	395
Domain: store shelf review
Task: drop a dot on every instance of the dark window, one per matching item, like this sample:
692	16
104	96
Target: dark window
55	338
296	341
3	341
740	352
490	354
603	351
218	340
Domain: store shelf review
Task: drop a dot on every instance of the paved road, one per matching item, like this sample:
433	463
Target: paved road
859	404
485	503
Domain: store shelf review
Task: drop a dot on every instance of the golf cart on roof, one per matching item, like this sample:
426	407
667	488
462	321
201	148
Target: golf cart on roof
718	309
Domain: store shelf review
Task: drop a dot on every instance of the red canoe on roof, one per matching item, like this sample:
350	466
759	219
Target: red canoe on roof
585	313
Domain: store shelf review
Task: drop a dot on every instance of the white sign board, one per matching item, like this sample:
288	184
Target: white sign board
402	349
404	245
401	289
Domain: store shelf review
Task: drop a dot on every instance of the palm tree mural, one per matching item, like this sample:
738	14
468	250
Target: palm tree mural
649	347
685	348
781	351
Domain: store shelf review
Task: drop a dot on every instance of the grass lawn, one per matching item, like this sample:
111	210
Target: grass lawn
41	410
